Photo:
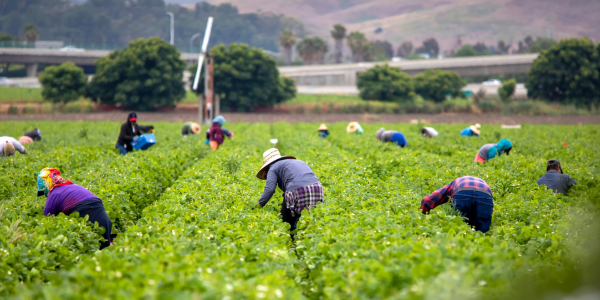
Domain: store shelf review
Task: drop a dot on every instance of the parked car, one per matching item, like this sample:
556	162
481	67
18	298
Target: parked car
492	82
71	48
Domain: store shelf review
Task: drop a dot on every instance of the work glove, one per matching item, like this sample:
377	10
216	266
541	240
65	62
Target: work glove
152	130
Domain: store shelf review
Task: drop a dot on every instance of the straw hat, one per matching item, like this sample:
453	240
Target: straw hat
9	149
195	128
269	157
25	140
475	128
352	127
323	127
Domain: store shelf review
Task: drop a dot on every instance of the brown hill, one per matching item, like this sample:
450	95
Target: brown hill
473	20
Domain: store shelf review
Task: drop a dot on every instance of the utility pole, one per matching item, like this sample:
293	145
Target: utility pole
172	27
192	41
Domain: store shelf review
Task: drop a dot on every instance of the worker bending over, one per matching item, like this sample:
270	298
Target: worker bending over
354	127
190	128
323	131
66	197
489	151
428	132
391	136
8	146
471	196
130	130
31	136
472	130
215	135
301	187
555	180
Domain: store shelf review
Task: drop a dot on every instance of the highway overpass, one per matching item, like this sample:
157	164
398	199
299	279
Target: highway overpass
317	75
347	74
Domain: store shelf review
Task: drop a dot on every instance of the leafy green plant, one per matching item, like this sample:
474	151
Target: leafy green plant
507	90
436	85
63	84
385	83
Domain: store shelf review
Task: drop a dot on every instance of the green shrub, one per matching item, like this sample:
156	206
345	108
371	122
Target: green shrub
436	85
29	109
63	84
568	72
385	83
507	90
146	74
13	110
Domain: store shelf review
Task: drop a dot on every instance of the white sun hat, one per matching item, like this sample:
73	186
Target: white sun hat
269	157
323	127
475	128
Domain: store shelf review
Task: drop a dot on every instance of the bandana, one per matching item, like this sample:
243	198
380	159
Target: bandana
48	179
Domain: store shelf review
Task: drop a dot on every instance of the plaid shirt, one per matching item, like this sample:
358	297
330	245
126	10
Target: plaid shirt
304	197
442	195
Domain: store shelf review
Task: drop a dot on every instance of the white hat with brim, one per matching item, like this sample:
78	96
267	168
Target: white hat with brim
323	127
269	157
352	127
196	128
475	128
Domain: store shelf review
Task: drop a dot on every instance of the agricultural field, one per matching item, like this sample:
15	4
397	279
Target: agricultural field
188	226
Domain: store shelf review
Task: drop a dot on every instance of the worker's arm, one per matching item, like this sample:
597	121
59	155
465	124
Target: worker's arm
269	188
19	147
228	133
570	181
492	152
49	208
435	199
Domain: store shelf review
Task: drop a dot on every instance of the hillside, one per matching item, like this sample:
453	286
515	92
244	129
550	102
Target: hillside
415	20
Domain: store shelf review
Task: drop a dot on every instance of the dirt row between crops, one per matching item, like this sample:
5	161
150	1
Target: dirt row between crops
146	117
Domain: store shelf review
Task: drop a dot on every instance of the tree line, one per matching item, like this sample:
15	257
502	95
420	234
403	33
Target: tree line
116	22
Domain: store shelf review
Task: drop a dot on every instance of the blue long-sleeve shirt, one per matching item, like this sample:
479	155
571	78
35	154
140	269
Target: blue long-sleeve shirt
557	182
289	175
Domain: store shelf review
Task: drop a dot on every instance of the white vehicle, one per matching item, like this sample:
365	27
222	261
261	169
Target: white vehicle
71	48
492	82
4	81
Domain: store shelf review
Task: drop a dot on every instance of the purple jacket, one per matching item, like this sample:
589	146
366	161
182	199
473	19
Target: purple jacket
63	198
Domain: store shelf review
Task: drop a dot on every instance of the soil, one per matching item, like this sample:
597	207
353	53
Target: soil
313	118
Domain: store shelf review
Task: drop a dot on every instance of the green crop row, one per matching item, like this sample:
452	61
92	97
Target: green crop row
35	246
189	228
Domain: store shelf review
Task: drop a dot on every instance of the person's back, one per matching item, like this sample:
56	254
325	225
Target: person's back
558	183
293	174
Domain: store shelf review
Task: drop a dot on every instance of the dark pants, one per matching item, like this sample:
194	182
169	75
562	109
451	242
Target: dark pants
96	212
121	148
477	207
286	216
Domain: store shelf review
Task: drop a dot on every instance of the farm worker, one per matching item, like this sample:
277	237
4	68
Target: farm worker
489	151
354	127
471	196
323	131
392	136
301	187
31	136
130	130
216	133
9	146
555	180
428	132
190	128
66	197
472	130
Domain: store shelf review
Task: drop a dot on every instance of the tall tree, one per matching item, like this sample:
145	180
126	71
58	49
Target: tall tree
312	50
30	34
503	47
405	49
358	45
430	46
287	39
338	33
384	48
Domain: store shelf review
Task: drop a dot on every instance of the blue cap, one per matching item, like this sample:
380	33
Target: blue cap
220	120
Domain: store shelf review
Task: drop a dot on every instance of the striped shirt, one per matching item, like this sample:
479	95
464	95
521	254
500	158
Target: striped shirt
442	195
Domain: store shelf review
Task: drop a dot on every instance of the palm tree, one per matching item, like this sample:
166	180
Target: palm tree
358	45
312	50
30	34
286	41
338	33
